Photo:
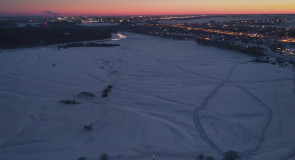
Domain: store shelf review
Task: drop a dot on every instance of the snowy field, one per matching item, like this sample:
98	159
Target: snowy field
173	98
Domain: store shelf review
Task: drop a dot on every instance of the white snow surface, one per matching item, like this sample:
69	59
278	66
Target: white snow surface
173	98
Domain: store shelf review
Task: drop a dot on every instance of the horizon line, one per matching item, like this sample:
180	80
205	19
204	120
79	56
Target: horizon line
118	15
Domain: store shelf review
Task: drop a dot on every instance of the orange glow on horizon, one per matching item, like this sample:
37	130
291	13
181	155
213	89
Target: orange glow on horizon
151	7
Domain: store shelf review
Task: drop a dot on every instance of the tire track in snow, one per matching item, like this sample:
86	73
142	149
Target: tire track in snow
206	100
112	65
204	104
5	143
177	124
149	115
291	156
19	60
172	124
29	96
263	132
19	77
263	81
185	70
182	69
231	82
211	95
279	114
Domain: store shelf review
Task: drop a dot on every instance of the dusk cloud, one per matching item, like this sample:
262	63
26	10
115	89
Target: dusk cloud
51	13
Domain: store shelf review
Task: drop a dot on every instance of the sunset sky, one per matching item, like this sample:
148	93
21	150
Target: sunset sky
145	7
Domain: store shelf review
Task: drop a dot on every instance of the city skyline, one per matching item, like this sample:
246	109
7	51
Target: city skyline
139	7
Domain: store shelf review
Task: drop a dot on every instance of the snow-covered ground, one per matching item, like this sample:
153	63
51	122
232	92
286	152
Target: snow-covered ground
173	98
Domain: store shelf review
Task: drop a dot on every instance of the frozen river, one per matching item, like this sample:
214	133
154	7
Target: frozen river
173	98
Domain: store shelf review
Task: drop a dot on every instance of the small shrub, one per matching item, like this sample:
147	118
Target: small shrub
109	86
209	158
82	158
279	60
201	157
104	156
69	102
86	94
88	127
231	155
281	64
107	91
260	60
105	94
